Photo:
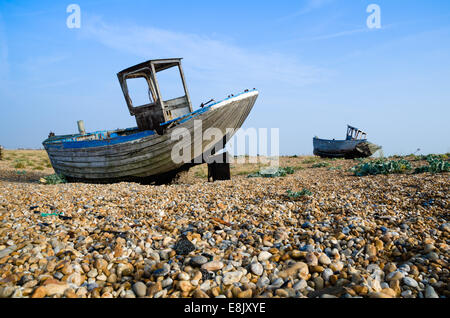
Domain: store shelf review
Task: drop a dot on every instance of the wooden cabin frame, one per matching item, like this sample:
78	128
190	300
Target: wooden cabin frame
150	116
354	133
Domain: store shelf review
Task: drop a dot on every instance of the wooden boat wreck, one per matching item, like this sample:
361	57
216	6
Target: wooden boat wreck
144	153
354	146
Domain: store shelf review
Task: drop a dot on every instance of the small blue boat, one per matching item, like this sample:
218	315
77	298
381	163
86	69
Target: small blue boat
354	146
145	153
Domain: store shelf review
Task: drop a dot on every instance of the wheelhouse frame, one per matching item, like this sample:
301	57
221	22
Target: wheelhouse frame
150	116
355	134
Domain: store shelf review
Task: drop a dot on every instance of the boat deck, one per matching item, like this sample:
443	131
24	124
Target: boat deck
110	137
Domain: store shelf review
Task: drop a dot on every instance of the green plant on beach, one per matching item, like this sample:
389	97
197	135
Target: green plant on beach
381	166
19	164
272	173
289	170
294	195
335	168
430	157
321	165
54	179
435	165
309	160
200	174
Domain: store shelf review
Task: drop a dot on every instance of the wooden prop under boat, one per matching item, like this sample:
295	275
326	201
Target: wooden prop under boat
144	153
355	146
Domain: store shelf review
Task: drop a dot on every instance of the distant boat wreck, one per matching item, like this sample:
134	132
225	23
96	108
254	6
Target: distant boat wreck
143	153
354	146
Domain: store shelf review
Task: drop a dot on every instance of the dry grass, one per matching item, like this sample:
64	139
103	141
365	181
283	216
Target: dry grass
31	165
25	165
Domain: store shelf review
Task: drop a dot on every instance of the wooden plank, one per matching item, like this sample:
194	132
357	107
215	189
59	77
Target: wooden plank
180	68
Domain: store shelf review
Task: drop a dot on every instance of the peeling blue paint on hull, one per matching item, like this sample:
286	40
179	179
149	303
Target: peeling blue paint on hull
123	154
343	148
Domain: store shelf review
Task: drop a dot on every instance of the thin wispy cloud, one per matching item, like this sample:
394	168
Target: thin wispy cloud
35	71
309	6
28	14
339	34
348	33
397	43
58	83
207	58
35	65
352	32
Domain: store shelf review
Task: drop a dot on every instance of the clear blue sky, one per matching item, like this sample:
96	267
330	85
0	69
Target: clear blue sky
316	63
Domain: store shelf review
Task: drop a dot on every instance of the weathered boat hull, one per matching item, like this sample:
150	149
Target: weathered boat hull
343	148
146	155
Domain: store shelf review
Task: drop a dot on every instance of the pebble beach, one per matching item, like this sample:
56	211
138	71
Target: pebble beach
383	236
